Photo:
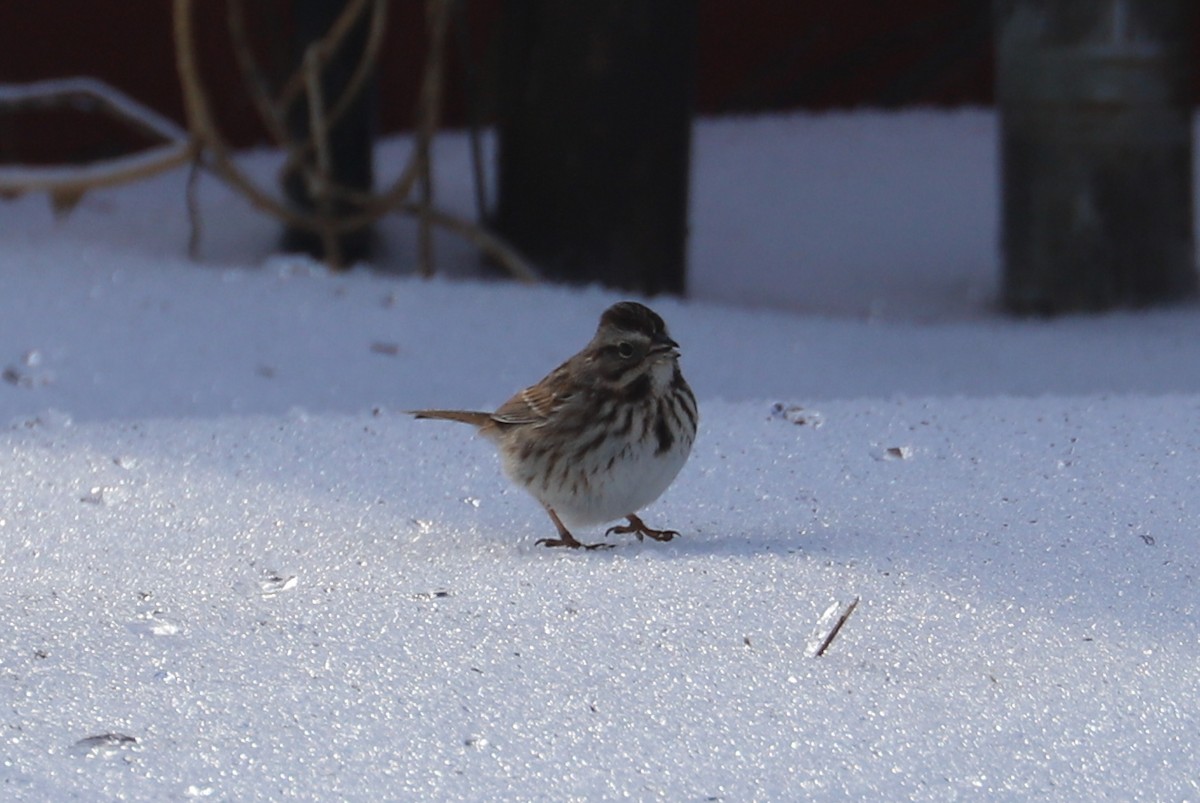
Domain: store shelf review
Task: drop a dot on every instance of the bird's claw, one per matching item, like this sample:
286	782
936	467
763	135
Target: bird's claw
639	528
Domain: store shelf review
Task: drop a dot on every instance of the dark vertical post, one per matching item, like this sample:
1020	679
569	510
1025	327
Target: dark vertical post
350	139
1096	152
595	114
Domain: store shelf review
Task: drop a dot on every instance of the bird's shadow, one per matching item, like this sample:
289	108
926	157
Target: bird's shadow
707	543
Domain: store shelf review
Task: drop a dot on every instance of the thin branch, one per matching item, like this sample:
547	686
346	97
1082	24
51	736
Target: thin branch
837	628
78	179
193	209
471	91
485	241
88	94
366	64
329	44
274	112
68	184
201	124
438	14
319	180
257	85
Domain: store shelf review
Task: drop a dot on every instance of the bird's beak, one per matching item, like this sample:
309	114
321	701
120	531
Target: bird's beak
661	344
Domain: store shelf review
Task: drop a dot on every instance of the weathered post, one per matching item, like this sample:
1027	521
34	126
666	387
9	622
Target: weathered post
594	138
1096	152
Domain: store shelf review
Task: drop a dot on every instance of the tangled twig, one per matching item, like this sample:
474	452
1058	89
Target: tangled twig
339	209
66	185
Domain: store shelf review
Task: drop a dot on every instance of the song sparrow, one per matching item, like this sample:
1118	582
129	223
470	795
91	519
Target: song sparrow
604	434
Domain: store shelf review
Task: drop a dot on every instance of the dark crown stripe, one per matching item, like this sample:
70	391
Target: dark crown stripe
633	317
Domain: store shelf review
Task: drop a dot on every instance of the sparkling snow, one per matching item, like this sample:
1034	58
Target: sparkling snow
231	569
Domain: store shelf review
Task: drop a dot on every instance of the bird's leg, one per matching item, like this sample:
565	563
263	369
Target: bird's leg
564	536
639	528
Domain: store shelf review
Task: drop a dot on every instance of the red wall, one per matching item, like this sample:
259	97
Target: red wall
753	55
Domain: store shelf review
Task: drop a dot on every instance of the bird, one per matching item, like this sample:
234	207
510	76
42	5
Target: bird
601	436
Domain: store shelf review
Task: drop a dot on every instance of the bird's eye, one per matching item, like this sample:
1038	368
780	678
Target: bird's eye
625	349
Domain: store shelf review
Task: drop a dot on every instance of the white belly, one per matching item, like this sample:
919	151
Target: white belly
637	477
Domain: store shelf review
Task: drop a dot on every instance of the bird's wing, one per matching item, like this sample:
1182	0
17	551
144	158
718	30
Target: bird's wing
535	404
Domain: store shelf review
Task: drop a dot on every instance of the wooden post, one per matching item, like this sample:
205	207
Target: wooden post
1096	152
594	138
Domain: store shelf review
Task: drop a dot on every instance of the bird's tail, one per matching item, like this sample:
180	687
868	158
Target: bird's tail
465	416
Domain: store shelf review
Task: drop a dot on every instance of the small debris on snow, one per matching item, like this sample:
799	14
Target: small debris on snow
150	624
387	349
103	495
28	371
795	414
894	453
439	593
275	583
50	419
422	526
104	745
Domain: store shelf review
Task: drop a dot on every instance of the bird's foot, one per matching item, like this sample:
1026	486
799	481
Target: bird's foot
564	536
639	528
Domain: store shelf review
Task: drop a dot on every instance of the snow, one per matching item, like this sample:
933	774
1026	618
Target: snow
231	568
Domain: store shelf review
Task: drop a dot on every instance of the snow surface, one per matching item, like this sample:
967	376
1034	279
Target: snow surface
230	568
